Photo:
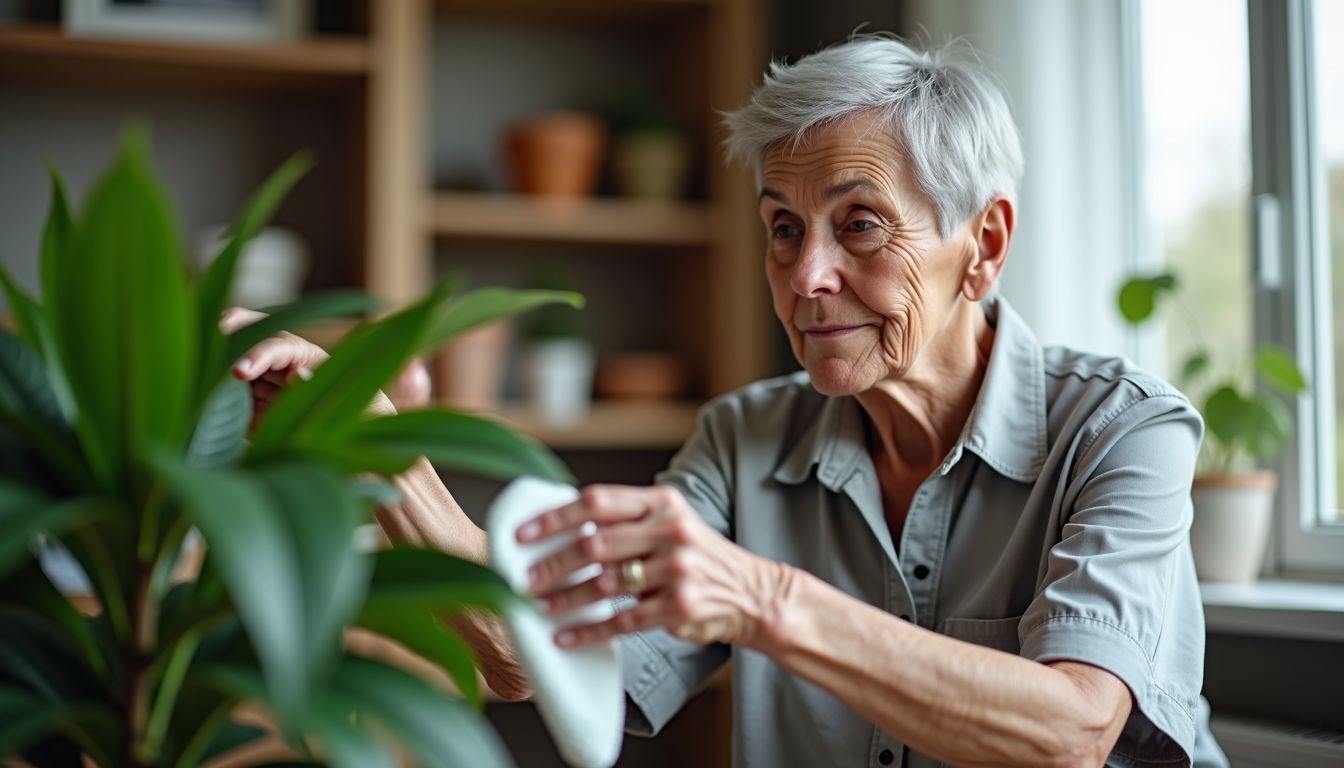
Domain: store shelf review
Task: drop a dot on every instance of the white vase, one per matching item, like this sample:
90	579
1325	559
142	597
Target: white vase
558	379
271	267
1231	524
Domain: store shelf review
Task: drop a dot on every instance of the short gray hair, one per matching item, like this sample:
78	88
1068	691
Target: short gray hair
950	115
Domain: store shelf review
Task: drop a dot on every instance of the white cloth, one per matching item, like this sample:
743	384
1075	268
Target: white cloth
578	691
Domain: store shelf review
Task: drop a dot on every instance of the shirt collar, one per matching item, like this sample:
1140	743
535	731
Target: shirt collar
1006	428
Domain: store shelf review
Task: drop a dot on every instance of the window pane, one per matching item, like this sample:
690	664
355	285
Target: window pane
1197	171
1329	107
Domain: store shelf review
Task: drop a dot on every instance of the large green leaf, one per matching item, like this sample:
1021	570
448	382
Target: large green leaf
346	383
1276	366
217	283
229	737
31	322
33	656
1269	427
423	633
334	719
322	514
1227	414
438	730
253	548
28	590
24	514
390	444
221	432
485	305
30	408
427	580
122	318
293	317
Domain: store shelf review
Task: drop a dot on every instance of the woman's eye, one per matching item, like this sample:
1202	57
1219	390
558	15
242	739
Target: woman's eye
784	230
862	225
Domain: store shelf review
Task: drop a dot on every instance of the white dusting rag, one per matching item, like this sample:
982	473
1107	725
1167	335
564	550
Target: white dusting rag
578	691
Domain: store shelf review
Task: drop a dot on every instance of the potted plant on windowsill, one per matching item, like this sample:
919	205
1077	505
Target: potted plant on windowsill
1244	424
122	429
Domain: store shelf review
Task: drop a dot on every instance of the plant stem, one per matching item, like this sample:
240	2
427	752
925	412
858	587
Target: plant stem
173	676
138	678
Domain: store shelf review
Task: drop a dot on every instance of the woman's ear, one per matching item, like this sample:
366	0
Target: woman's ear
993	232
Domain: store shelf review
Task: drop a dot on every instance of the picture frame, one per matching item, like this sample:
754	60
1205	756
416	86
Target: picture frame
217	21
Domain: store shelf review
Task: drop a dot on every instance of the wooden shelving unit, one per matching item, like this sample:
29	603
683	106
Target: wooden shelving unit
599	220
612	425
378	77
43	53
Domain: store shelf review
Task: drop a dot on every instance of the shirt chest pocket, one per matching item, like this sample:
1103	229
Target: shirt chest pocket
999	634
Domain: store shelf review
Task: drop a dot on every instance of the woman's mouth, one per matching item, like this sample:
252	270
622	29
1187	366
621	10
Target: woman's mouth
830	331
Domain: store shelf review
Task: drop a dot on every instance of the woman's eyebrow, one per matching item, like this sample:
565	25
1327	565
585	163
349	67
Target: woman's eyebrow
845	188
831	193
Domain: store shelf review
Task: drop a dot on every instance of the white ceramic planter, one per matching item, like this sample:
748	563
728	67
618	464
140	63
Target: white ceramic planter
1231	524
558	379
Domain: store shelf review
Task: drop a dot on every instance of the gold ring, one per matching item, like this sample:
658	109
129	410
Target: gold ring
632	571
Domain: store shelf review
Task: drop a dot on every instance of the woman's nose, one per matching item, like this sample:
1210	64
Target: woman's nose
815	272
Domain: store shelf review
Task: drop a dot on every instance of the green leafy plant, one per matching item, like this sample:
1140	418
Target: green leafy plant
1242	420
121	429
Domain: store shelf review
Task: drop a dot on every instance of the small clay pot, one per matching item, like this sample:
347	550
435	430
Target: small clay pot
641	376
556	154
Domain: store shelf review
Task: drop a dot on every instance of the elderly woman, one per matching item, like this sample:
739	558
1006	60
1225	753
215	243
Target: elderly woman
939	543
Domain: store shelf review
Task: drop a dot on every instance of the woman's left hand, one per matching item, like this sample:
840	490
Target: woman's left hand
690	580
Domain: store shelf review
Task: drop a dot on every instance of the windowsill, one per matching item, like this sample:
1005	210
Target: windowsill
1282	608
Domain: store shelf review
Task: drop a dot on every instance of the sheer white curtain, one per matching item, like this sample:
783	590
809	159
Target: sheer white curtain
1065	66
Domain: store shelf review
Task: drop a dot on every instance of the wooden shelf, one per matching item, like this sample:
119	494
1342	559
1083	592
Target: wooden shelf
599	220
613	425
43	53
575	12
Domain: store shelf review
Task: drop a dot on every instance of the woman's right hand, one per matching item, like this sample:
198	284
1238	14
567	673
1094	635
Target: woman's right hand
272	364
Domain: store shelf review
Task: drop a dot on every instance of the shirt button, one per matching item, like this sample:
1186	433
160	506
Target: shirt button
886	757
921	572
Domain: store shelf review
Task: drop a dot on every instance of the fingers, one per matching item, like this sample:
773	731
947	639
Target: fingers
238	317
604	505
646	614
285	353
610	583
610	544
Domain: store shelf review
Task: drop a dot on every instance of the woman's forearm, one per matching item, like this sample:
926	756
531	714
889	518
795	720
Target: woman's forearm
958	702
429	516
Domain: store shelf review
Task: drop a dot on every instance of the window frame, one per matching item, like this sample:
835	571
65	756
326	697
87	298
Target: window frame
1290	254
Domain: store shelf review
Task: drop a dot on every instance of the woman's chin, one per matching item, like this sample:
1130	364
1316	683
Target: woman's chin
835	377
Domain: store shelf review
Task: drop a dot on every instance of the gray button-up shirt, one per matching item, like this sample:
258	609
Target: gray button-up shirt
1056	528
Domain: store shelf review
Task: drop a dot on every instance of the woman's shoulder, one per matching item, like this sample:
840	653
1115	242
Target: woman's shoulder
1087	391
771	404
1069	368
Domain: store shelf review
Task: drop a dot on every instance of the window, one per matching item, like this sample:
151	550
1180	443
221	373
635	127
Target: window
1329	126
1243	185
1197	178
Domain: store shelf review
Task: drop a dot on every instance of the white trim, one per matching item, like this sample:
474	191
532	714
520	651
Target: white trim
1277	608
280	20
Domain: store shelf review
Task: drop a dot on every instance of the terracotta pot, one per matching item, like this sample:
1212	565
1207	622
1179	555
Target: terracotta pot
641	376
556	154
470	368
1231	524
651	165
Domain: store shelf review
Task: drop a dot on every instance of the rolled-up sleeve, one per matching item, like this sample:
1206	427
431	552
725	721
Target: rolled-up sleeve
660	671
1119	589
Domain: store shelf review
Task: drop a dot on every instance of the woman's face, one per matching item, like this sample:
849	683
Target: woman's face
861	279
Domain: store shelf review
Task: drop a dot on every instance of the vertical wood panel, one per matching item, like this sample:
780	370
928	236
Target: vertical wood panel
397	266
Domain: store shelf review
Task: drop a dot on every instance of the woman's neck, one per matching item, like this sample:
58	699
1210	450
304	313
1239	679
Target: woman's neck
915	420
